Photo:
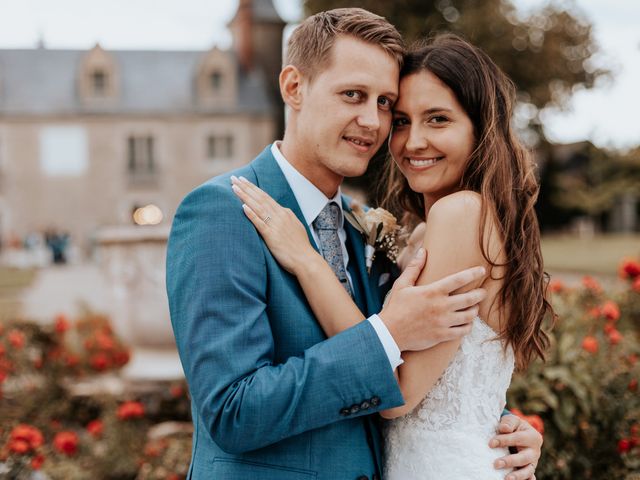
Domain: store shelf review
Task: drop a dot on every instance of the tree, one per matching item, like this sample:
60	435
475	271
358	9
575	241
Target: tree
548	53
593	181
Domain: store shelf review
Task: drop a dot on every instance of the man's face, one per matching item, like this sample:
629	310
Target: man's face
345	114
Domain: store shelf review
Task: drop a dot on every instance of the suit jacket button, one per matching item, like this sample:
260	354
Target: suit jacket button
355	408
375	401
344	412
365	405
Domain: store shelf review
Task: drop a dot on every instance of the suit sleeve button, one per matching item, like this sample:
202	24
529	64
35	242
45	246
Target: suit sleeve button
375	401
345	411
365	405
355	408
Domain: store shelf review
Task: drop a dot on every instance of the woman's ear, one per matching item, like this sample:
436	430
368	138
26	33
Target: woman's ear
291	82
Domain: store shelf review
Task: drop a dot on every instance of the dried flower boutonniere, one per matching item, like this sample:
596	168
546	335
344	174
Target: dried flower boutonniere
380	230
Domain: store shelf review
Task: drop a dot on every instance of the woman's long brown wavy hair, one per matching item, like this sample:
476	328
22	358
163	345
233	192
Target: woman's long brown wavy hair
501	170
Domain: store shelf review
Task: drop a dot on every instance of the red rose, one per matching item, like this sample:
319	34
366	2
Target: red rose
592	284
28	434
37	461
556	286
104	341
594	312
121	357
95	428
99	362
19	446
16	338
176	391
633	386
623	446
130	410
590	344
71	360
610	311
608	328
615	337
61	324
66	442
630	269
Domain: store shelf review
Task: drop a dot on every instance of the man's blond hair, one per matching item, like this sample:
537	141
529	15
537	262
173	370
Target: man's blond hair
310	43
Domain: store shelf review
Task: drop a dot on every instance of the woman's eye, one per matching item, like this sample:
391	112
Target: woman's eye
399	122
438	119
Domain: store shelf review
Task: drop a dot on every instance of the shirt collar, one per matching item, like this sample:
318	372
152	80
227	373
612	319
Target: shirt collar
310	199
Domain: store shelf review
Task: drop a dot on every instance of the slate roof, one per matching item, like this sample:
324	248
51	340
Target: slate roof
42	81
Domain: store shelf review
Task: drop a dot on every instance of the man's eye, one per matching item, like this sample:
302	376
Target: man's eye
353	94
385	103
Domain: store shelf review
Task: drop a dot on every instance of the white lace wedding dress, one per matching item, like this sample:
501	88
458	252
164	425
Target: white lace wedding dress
446	437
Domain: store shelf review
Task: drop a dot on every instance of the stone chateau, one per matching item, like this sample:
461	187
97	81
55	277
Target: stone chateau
87	137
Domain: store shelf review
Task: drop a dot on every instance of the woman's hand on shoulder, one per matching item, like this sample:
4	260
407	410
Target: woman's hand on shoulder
281	230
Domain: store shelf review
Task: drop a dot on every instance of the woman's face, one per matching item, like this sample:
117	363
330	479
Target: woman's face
432	136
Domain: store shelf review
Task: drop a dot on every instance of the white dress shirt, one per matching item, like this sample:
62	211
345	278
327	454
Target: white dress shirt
311	201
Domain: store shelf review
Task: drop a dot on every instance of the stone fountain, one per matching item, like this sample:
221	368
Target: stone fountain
133	260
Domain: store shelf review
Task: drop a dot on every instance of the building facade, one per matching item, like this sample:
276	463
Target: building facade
87	137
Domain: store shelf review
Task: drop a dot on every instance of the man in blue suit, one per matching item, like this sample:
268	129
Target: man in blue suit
272	397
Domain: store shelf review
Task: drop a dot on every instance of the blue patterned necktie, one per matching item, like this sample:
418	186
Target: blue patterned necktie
326	225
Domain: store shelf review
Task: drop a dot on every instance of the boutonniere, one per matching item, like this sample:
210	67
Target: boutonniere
380	230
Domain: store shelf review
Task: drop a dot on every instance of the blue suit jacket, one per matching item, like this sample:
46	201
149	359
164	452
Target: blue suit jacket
272	397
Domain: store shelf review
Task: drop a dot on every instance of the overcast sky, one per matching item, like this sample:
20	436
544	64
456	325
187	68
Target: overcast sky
605	115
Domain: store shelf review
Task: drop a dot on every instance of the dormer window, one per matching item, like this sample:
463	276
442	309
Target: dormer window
215	80
98	78
99	82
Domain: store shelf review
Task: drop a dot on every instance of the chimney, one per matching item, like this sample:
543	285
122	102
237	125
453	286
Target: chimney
242	39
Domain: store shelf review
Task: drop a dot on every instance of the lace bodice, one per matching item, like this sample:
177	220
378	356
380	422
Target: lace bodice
447	434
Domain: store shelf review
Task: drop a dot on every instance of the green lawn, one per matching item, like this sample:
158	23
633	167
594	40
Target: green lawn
11	278
12	281
599	255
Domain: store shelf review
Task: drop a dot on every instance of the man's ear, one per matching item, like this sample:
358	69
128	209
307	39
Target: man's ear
291	83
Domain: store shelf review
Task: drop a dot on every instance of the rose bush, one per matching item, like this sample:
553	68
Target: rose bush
585	395
50	428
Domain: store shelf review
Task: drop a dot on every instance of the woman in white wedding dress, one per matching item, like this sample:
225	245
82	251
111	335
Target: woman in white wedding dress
458	168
